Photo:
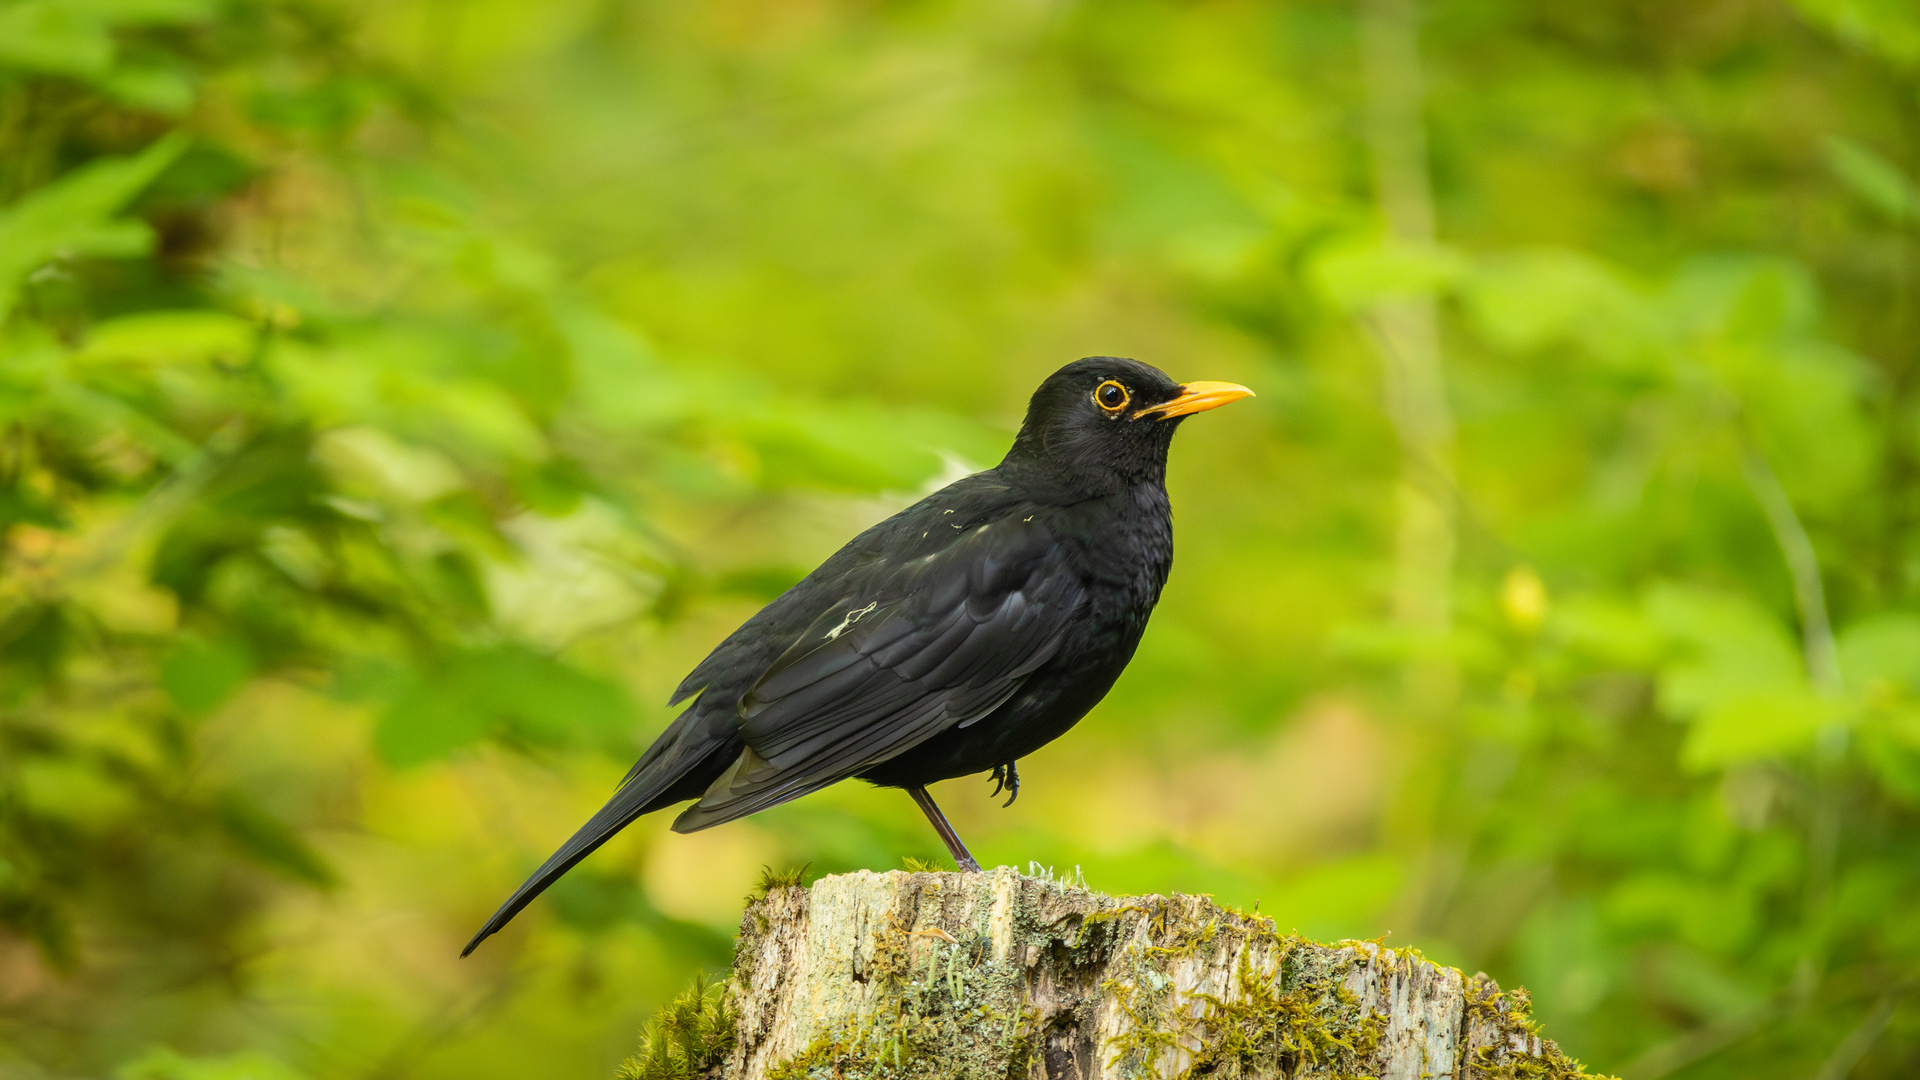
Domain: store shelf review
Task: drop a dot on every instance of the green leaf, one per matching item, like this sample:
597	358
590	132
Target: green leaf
1702	913
168	1065
413	384
199	676
171	337
76	792
271	842
619	382
55	36
25	506
541	698
75	37
1530	300
760	584
1355	275
1722	648
425	724
1890	746
74	216
1740	300
1874	179
595	900
1882	648
1806	405
509	688
151	12
1704	983
1888	28
164	90
1753	726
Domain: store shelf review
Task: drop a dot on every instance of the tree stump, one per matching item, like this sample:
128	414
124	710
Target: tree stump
1007	975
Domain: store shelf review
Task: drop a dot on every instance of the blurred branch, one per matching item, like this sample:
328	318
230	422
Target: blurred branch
1803	565
454	1013
1438	481
1396	94
1823	671
159	504
1409	332
1675	1054
1861	1039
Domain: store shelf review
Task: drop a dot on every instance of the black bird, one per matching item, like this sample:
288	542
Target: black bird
957	636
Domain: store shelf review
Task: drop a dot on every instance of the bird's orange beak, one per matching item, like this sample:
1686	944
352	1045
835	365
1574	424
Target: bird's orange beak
1195	397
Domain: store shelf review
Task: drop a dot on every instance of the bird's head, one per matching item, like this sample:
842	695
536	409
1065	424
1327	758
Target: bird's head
1103	423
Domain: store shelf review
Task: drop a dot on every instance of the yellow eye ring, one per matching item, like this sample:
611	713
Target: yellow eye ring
1111	396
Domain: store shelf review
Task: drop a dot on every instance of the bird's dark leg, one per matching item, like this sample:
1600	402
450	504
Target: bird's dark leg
1005	778
961	856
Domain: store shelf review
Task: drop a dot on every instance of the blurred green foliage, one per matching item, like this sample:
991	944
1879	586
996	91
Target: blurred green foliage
395	401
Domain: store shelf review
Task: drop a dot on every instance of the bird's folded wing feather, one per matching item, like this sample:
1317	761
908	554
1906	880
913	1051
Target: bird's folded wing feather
911	648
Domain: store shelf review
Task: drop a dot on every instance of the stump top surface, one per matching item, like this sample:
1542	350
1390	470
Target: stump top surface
1003	974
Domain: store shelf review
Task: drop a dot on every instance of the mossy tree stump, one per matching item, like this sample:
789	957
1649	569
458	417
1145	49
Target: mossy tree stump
1005	975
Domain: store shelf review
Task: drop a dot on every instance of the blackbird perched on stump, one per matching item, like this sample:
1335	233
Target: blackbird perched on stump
955	637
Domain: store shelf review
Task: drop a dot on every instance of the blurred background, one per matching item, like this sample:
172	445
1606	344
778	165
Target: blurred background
397	399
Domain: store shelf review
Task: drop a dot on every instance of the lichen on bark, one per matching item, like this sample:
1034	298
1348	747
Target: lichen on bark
1006	975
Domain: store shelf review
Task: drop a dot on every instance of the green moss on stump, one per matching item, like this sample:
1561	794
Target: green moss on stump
689	1038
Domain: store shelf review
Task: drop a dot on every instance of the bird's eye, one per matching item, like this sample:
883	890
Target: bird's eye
1111	396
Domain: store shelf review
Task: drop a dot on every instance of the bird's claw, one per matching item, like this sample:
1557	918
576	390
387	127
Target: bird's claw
1005	778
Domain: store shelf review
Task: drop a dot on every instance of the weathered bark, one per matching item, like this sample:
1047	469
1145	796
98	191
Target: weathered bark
1006	975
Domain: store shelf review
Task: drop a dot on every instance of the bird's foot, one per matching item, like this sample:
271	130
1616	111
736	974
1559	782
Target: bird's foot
1005	778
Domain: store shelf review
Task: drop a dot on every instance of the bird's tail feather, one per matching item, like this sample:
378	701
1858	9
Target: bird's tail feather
661	783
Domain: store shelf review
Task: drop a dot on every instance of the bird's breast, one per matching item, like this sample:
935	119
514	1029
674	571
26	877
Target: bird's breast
1123	552
1130	544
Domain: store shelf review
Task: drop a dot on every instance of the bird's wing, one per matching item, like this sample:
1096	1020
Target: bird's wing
914	646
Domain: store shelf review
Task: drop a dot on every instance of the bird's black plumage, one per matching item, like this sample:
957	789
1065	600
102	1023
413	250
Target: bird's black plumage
955	637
